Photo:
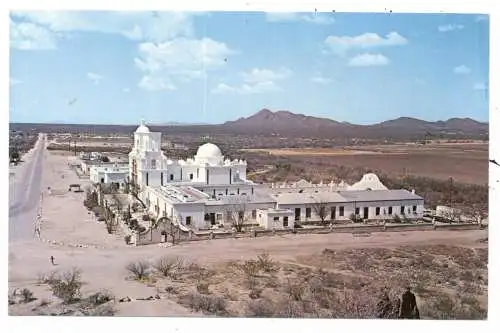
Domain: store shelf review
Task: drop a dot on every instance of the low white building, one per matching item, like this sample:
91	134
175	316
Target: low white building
109	174
273	218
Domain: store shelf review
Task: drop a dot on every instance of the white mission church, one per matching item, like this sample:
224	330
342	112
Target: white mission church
205	190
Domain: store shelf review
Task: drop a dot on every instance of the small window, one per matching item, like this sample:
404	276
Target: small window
191	176
171	177
414	209
188	220
341	211
276	218
254	213
285	221
390	210
153	164
402	210
377	211
357	211
161	178
308	212
226	191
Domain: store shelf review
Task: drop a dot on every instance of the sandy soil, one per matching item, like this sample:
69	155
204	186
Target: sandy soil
104	257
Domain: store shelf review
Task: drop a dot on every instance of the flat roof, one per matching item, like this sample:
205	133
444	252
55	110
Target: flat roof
308	198
176	194
380	195
240	199
344	196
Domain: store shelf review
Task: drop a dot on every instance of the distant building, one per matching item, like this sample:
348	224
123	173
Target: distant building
209	189
109	174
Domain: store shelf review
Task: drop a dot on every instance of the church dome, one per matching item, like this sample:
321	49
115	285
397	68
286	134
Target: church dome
209	150
142	128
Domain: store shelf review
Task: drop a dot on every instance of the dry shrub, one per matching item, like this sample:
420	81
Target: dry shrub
444	307
169	266
250	268
295	289
203	287
140	269
105	310
206	303
99	298
67	287
266	264
289	308
27	295
262	308
255	293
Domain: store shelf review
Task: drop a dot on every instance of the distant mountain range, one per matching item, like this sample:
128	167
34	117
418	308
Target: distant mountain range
286	123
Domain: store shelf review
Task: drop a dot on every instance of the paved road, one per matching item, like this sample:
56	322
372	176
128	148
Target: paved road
24	195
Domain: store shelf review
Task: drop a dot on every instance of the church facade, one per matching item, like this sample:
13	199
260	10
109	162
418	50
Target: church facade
209	190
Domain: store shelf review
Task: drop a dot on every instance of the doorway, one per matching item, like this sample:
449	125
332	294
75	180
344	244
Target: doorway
333	213
212	218
365	213
297	214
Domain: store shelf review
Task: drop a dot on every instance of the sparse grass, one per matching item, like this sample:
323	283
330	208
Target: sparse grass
337	284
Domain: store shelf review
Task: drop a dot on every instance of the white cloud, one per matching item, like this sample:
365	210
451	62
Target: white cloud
339	45
462	69
450	27
320	80
155	84
223	88
126	90
247	89
180	59
479	86
316	18
256	75
368	59
96	78
141	26
256	81
29	36
14	81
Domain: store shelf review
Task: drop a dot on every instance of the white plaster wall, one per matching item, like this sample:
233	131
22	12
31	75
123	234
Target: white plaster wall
218	176
115	178
349	208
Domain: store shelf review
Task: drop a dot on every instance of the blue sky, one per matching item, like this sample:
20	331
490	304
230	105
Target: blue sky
119	67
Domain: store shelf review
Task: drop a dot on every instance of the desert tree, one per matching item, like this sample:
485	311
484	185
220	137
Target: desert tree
140	269
169	266
67	287
320	208
237	214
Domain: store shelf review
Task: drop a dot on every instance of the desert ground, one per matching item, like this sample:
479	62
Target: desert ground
446	269
465	162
